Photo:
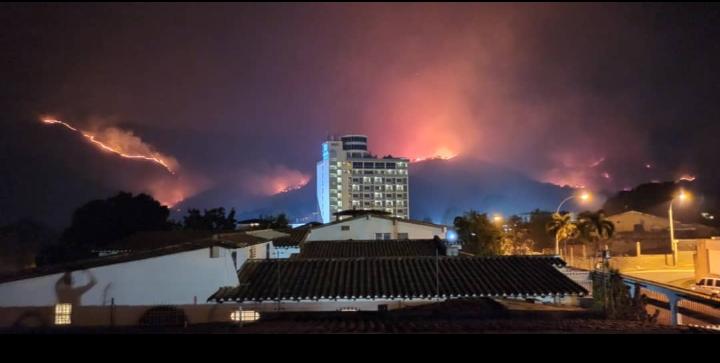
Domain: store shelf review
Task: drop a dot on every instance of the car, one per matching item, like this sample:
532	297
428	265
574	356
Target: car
708	285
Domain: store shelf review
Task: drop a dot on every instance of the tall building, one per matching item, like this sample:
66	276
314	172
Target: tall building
349	177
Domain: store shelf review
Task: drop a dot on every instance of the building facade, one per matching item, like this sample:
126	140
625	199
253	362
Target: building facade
350	177
374	227
119	289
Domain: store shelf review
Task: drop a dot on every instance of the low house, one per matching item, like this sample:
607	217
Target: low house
120	287
370	226
289	245
376	248
707	258
380	283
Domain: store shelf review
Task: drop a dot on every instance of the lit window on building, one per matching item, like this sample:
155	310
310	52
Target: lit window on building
249	315
244	315
62	314
349	309
252	252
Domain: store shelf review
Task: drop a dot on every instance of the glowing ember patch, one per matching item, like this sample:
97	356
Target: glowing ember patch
282	186
442	154
687	178
109	148
597	162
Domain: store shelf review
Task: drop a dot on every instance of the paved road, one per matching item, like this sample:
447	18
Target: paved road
677	277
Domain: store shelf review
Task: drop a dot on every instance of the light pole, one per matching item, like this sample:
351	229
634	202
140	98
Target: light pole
584	196
673	243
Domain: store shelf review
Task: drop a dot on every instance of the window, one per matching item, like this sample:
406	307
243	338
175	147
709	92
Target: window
701	283
253	253
386	236
403	236
717	283
244	315
214	252
378	236
62	314
348	309
344	228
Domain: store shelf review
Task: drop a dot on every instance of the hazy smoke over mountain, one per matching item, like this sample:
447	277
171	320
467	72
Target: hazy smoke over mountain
241	96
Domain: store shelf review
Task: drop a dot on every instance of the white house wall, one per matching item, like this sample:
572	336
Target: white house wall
180	278
364	229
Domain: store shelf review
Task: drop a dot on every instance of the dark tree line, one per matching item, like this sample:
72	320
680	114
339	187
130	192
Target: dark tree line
102	223
210	220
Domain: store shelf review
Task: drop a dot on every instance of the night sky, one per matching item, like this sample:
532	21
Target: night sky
242	95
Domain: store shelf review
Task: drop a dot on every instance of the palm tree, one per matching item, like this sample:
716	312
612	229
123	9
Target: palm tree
594	227
563	228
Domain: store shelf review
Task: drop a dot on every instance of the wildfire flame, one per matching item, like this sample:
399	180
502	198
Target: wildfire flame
442	154
687	178
106	147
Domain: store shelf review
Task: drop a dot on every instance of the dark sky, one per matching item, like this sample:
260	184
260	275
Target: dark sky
241	95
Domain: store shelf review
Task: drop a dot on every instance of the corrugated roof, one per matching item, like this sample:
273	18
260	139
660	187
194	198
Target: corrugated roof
399	277
295	238
372	248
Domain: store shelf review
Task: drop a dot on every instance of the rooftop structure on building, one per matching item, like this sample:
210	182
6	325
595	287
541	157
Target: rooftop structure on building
350	177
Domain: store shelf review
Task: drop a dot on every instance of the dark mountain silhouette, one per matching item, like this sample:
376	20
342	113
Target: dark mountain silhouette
439	191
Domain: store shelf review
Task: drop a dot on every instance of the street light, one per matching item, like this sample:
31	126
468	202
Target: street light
682	196
497	218
584	196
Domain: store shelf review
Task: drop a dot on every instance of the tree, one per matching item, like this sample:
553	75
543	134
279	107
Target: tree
102	221
562	227
594	227
612	296
210	220
537	229
477	234
99	222
516	238
280	222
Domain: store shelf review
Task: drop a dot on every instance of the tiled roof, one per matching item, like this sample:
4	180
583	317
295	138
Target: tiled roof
240	239
399	277
371	248
296	236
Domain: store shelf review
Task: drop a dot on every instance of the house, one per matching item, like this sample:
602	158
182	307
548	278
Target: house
387	283
120	287
634	221
371	226
289	245
376	248
707	258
